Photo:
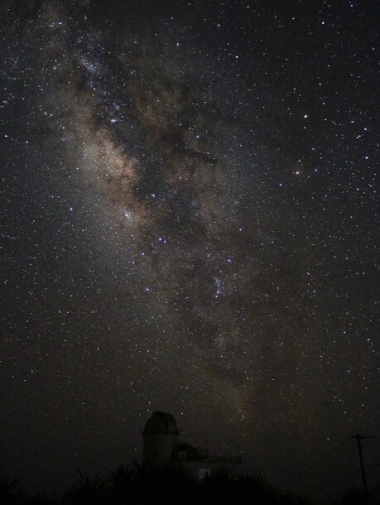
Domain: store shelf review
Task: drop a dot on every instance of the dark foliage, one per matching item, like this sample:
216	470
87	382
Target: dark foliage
39	499
10	491
135	484
87	490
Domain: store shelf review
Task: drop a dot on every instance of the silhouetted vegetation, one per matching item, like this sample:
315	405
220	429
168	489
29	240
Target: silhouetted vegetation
171	485
10	491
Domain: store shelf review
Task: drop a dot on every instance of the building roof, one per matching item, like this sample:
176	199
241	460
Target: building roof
161	422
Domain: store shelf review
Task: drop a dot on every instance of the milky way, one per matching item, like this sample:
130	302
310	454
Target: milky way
203	233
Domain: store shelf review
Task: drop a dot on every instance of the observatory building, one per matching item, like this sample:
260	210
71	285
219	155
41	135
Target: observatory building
161	446
160	439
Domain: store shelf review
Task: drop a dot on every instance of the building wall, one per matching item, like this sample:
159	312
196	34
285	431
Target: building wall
200	469
159	448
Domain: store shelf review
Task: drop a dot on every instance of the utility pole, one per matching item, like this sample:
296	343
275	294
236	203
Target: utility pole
359	439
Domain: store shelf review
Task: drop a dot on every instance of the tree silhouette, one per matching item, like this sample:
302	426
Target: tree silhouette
122	482
87	491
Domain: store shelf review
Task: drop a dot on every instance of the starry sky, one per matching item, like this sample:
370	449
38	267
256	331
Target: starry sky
189	223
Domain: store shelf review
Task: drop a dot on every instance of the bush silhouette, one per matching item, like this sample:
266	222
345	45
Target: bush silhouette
87	491
137	484
10	491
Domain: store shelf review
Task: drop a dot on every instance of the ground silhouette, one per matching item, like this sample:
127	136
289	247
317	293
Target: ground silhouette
137	484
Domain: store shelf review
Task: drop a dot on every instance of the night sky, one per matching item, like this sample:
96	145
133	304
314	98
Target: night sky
189	223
